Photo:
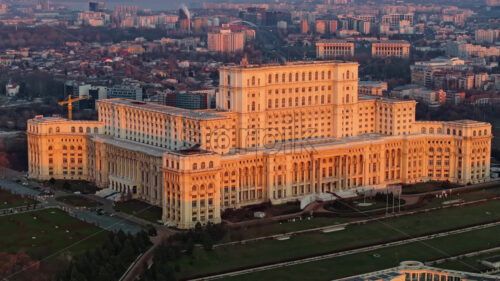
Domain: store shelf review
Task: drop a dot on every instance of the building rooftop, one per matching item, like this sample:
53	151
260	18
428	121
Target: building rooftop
371	83
288	64
131	145
384	99
169	110
392	273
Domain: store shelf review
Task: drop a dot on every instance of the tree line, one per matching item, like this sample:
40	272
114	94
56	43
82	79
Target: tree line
166	260
108	262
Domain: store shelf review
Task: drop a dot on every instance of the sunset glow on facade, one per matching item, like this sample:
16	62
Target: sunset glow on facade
279	133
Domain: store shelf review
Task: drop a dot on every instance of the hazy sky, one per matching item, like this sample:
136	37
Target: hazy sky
143	4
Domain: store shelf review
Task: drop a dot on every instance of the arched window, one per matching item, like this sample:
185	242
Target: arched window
423	130
72	148
253	80
95	130
316	75
474	133
50	147
276	78
79	147
203	165
303	76
296	77
347	74
289	77
65	147
347	98
211	164
329	74
431	130
88	130
80	129
193	188
485	132
310	76
270	79
448	131
195	166
57	130
322	75
73	129
283	77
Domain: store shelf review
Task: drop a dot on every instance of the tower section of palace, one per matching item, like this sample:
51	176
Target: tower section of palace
280	133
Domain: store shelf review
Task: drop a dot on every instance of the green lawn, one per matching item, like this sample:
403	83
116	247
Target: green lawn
10	200
422	187
140	209
384	258
224	258
78	201
284	227
464	264
43	233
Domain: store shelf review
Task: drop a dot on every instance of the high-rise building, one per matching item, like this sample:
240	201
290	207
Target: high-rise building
320	26
304	26
489	36
280	133
184	19
394	20
226	41
332	26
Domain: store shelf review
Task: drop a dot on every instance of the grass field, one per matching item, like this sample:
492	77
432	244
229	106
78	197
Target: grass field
140	209
10	200
284	227
46	232
384	258
468	262
78	201
225	258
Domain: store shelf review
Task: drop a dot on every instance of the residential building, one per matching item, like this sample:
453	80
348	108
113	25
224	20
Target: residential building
489	36
466	50
226	41
125	92
420	93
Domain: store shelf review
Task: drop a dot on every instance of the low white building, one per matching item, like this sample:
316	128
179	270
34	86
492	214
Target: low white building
12	89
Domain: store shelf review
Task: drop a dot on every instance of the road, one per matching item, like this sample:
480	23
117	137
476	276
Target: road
344	253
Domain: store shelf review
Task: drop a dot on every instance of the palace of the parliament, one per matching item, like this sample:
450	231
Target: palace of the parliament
279	133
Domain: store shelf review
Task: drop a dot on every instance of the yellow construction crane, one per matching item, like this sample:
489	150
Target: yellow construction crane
70	102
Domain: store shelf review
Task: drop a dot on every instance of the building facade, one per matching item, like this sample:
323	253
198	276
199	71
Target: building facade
391	48
328	49
280	133
414	270
226	41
